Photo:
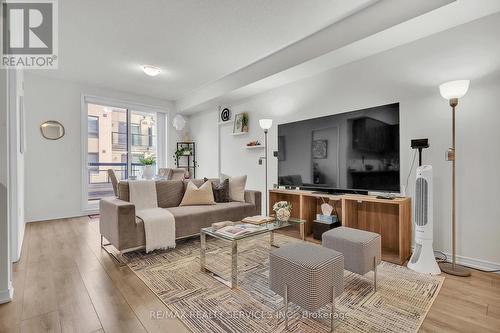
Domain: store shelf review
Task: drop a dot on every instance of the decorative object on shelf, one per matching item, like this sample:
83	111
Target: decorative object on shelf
183	151
225	115
52	130
283	210
241	123
452	91
319	149
185	157
326	208
147	160
254	143
265	124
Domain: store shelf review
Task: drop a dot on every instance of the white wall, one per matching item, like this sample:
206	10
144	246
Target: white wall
410	75
53	168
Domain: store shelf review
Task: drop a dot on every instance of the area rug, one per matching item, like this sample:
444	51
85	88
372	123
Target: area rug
204	304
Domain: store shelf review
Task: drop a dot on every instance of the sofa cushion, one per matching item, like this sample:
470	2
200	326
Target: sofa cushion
168	192
202	195
236	187
221	190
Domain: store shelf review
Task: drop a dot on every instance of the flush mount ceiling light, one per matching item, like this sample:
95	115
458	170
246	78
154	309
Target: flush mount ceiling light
151	70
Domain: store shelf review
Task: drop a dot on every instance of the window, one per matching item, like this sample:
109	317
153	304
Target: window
93	127
136	134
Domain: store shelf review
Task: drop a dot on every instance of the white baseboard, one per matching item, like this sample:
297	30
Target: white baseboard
55	217
7	294
475	263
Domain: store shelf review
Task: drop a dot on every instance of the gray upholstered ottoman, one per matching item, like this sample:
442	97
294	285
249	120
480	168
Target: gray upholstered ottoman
361	249
308	275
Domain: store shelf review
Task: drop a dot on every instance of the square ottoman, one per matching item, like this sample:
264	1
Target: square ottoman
307	275
361	249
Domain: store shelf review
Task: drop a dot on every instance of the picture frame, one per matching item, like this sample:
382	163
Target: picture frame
240	123
319	149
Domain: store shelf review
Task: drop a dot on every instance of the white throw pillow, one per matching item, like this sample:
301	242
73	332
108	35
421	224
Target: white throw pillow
236	187
194	195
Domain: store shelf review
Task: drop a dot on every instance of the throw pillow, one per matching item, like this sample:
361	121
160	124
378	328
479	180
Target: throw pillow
221	190
236	187
194	195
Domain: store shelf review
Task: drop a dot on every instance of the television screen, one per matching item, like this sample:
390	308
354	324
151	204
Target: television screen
356	150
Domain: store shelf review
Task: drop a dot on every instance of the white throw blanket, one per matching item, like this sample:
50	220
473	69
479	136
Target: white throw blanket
159	223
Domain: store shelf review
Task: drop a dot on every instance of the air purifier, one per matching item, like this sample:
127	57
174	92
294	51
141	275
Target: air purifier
423	259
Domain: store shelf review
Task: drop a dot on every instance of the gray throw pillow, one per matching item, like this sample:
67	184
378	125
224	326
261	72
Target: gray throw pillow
221	190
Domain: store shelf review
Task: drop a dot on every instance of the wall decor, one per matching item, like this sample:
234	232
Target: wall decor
225	115
319	149
241	123
52	130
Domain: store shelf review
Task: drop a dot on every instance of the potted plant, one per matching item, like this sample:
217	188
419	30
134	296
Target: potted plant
183	151
244	122
283	210
147	160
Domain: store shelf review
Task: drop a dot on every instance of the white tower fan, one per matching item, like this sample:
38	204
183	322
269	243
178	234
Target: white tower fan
423	259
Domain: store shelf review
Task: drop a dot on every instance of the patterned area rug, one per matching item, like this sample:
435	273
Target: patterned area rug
204	304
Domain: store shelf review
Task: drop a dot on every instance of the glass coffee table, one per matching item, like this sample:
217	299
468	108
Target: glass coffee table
269	227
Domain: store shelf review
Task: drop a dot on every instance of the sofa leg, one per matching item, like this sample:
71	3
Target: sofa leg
117	258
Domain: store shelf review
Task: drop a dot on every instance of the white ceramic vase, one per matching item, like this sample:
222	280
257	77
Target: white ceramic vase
147	173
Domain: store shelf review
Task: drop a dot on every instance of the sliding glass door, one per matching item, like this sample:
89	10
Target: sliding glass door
116	139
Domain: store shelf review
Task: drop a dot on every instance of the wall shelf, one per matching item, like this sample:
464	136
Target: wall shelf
255	147
240	133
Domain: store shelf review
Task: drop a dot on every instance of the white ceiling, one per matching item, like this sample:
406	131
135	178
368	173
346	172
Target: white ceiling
412	26
194	41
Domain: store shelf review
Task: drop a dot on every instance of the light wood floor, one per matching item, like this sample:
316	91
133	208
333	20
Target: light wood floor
65	283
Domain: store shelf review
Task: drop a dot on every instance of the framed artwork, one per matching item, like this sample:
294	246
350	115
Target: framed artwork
319	149
240	123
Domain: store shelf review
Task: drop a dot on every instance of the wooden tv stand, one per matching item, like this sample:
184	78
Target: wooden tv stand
390	218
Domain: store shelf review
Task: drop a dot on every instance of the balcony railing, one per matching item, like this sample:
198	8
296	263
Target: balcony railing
99	184
119	140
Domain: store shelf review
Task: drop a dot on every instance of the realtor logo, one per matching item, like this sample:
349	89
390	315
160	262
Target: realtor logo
29	34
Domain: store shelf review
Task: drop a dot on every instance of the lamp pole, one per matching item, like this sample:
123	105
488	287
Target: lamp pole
265	155
452	268
265	124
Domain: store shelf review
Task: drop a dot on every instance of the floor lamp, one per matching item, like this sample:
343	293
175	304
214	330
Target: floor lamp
265	124
452	91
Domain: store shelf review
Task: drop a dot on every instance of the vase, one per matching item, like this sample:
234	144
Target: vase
147	173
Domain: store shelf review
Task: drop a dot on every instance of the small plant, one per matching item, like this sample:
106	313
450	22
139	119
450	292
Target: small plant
183	151
244	122
147	159
282	210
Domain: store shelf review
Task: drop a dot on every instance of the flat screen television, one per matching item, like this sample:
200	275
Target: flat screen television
354	151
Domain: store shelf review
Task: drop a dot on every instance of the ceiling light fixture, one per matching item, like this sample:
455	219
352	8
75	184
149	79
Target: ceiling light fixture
151	70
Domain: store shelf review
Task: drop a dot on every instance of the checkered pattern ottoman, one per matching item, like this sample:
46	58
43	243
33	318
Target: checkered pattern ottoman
308	275
361	249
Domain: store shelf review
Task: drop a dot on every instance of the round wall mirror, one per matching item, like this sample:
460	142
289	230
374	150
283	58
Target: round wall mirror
52	130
